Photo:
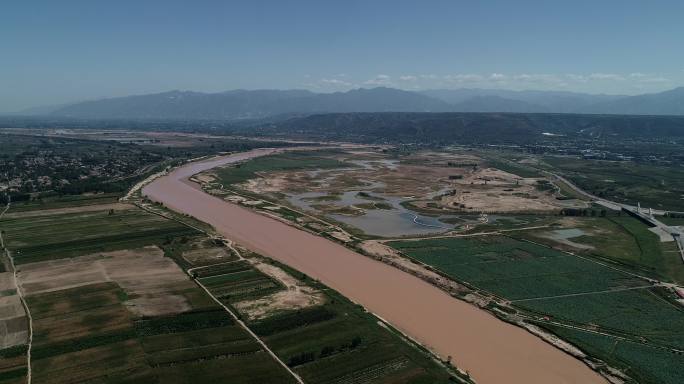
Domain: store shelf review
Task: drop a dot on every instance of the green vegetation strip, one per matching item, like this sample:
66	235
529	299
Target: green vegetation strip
220	269
292	320
657	186
648	319
642	362
282	162
57	236
13	374
183	322
73	345
11	352
515	269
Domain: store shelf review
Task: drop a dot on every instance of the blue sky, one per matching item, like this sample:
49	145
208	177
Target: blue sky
64	51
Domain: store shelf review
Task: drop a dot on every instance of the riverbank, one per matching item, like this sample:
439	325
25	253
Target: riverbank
475	339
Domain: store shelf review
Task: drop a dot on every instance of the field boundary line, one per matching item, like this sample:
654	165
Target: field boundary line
583	293
20	292
211	265
606	334
595	261
254	335
460	234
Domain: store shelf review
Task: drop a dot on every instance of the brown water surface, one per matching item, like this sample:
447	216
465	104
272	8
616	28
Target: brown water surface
491	350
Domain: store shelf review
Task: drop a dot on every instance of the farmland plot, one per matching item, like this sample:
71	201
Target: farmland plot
318	333
637	320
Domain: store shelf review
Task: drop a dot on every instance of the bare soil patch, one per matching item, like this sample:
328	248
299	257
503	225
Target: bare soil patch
440	181
150	279
494	190
296	295
13	322
204	251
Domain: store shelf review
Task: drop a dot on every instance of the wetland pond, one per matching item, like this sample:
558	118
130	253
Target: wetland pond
391	219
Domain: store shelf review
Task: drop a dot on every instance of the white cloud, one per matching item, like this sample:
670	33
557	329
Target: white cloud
463	78
336	82
379	80
648	78
606	76
588	82
576	78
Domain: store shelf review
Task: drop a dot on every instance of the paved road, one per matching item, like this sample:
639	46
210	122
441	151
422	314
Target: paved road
676	232
605	202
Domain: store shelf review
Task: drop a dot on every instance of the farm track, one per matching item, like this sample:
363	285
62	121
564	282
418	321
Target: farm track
205	289
20	292
244	326
582	294
456	234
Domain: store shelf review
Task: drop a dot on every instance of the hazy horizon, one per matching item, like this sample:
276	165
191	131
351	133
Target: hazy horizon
57	53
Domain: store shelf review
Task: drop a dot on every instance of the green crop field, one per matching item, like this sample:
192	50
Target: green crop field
13	364
643	362
642	313
625	242
65	201
239	285
650	255
656	186
219	269
87	326
89	330
203	347
336	342
281	162
54	236
542	282
88	333
514	269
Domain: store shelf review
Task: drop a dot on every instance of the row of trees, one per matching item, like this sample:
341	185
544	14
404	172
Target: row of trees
585	212
326	351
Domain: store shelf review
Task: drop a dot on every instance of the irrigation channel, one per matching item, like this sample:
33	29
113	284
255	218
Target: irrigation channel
491	350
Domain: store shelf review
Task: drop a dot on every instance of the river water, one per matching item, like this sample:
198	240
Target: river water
491	350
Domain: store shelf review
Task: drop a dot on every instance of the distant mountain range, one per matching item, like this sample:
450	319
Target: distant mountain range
258	104
461	127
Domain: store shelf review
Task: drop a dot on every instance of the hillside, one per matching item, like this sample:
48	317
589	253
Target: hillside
664	103
474	127
242	104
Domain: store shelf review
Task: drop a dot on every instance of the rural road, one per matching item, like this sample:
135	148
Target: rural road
20	291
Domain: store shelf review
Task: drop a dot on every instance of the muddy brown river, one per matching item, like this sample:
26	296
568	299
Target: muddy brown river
491	350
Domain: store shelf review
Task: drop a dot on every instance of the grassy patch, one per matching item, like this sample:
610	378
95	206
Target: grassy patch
514	269
656	186
625	241
639	360
57	236
282	162
542	282
66	201
334	342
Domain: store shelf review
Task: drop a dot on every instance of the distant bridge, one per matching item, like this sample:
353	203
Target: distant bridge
647	217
